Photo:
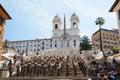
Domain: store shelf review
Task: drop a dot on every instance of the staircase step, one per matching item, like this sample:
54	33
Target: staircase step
46	78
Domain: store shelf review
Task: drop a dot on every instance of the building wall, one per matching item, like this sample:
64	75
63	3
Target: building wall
44	44
116	9
117	14
57	41
1	34
69	32
3	18
110	39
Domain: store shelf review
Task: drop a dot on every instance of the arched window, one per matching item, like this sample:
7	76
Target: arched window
74	43
51	45
42	43
74	24
42	48
56	44
56	26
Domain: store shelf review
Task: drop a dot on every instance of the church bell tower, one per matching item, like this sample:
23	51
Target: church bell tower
56	25
74	21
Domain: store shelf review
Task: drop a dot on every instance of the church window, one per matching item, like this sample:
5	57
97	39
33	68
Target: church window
18	50
56	45
74	24
35	45
74	43
51	40
50	45
119	14
42	43
56	26
42	48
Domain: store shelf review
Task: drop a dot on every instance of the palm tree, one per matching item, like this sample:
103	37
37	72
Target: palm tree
100	21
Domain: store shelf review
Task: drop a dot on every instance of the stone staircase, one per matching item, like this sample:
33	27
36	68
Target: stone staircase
62	76
45	78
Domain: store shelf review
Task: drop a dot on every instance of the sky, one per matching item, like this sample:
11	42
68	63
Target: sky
32	19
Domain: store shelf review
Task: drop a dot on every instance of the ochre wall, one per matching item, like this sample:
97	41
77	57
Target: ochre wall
2	27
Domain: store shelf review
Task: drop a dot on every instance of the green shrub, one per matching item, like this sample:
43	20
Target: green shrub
115	50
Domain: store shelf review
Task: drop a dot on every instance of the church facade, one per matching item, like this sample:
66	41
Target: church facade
63	40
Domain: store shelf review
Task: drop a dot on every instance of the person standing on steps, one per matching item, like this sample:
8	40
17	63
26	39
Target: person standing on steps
58	68
67	67
18	70
10	68
75	64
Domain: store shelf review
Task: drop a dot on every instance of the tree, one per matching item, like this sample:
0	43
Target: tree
115	50
85	44
100	21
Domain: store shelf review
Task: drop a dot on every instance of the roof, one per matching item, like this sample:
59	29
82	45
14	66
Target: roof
113	6
31	40
5	12
105	30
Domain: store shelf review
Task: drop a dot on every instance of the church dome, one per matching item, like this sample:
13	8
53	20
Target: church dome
74	14
74	17
57	18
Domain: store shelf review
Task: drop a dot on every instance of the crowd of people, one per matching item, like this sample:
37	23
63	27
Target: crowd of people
105	70
48	66
65	66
